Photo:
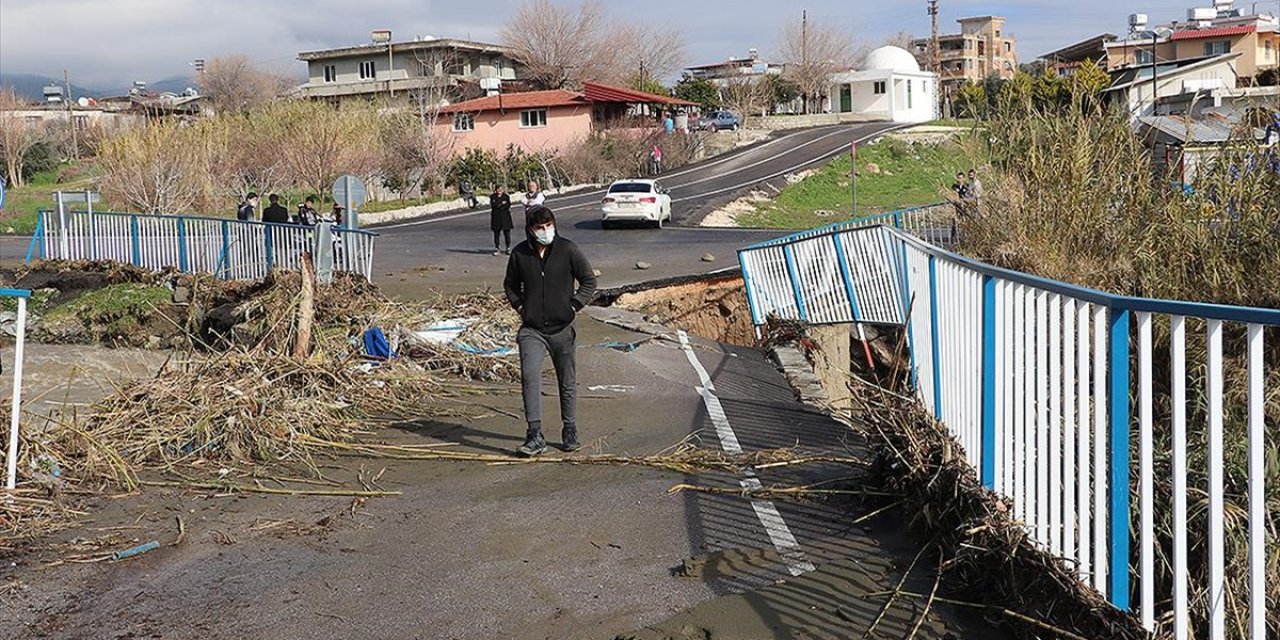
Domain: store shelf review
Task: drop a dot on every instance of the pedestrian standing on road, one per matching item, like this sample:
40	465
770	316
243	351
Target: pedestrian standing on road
548	281
533	198
307	214
500	219
275	212
247	207
336	214
655	160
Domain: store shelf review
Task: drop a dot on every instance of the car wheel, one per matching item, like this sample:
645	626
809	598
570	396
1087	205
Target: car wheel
734	127
713	128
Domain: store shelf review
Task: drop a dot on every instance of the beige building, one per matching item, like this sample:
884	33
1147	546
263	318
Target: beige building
1206	33
982	48
450	69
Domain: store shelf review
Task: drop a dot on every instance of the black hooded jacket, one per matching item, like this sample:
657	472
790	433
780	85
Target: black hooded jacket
542	288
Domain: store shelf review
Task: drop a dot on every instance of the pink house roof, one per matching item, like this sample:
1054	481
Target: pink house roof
1219	32
524	100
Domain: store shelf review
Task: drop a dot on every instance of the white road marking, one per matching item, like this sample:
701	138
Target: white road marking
779	534
587	205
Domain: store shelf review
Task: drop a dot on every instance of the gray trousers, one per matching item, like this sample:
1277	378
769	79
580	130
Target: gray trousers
534	347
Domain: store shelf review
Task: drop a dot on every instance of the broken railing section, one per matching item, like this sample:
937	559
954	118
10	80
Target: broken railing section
229	249
1032	377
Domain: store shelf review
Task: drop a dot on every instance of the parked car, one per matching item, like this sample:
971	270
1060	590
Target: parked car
635	200
717	120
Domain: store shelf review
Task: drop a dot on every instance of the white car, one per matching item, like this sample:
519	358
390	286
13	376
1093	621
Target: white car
637	200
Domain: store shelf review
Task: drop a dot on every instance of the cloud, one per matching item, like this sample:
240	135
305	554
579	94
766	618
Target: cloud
111	43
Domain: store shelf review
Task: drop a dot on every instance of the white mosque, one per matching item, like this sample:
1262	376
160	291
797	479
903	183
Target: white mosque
890	86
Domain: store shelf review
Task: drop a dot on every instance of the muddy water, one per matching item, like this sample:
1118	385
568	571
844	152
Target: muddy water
76	375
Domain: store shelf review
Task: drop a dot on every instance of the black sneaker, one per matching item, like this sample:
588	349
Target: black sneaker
533	446
569	439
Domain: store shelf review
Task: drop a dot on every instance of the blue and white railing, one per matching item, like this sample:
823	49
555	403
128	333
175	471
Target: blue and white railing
15	408
229	249
1032	377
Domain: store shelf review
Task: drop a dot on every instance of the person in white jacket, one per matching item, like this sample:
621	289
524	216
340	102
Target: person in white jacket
533	198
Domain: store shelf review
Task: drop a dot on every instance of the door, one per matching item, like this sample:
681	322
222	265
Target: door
846	99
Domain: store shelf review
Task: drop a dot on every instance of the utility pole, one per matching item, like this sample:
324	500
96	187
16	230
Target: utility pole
804	53
935	57
71	117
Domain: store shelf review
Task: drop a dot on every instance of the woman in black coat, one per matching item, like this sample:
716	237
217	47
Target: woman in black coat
500	219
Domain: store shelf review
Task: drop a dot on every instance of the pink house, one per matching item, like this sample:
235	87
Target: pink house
542	120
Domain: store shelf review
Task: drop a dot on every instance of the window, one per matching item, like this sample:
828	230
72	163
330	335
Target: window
464	122
1218	48
367	72
908	94
330	73
533	118
82	122
968	44
1142	56
880	88
1271	52
630	187
982	48
1008	47
997	33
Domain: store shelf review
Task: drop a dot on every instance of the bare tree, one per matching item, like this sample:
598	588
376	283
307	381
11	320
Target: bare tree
322	143
564	46
17	136
650	52
747	96
812	52
416	144
234	84
153	169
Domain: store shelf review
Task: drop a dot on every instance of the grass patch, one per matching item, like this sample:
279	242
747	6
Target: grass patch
117	309
22	204
892	174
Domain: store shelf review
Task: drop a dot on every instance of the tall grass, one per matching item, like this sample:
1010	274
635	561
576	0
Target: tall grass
1073	195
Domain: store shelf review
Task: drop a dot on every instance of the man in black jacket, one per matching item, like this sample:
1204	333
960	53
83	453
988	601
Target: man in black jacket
540	286
246	208
275	213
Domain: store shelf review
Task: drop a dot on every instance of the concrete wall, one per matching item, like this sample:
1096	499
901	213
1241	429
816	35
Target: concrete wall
774	123
834	361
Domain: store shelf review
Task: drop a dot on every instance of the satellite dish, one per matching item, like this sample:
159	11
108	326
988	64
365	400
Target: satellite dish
83	101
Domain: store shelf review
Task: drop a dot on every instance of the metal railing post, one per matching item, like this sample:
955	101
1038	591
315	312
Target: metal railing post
933	333
989	382
37	238
847	277
223	263
1118	438
182	246
266	234
135	240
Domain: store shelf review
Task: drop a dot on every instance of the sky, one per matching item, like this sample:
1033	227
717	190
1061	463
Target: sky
110	43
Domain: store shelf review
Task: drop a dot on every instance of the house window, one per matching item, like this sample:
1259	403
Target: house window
997	33
1008	47
367	72
330	73
982	48
533	118
1221	47
968	44
880	88
1270	50
908	94
82	122
464	122
1143	56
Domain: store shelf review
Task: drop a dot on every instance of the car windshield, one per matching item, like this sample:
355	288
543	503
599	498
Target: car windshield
630	187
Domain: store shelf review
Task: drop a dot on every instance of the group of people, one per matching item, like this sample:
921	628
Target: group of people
500	214
276	213
967	189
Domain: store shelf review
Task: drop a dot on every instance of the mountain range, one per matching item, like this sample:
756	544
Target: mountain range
31	86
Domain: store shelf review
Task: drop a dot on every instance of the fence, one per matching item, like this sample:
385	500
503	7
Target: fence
1033	378
15	408
230	249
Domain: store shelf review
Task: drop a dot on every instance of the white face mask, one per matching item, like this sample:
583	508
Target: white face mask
545	236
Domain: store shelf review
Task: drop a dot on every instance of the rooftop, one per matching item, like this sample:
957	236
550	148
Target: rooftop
412	45
591	93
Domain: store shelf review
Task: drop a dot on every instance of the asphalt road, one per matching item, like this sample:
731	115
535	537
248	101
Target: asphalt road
454	251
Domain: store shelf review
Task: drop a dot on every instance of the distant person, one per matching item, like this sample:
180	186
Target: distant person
307	214
540	285
960	187
655	160
975	186
533	198
500	219
275	212
337	215
246	209
669	124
